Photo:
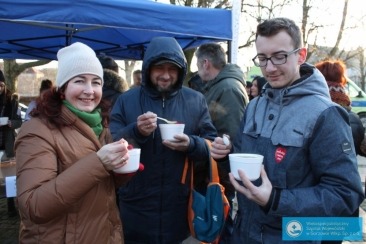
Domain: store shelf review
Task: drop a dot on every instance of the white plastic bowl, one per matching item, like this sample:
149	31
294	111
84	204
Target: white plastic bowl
133	162
168	131
249	163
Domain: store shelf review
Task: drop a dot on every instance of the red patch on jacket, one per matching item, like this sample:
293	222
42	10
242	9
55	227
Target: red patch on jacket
280	154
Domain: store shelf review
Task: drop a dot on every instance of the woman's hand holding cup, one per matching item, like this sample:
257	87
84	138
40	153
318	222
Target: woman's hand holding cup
114	155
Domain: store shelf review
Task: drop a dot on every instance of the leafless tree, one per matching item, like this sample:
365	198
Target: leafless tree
340	32
353	58
129	67
254	12
12	70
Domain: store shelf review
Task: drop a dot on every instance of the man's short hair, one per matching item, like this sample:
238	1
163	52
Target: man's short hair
214	53
271	27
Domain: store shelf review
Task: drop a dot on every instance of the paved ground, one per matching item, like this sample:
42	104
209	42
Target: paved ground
9	224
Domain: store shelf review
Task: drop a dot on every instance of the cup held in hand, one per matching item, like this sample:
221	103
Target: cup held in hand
168	131
249	163
132	164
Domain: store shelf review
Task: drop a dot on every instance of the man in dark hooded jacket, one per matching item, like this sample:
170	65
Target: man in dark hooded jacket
154	203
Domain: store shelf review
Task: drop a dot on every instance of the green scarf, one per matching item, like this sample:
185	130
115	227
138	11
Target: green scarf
93	119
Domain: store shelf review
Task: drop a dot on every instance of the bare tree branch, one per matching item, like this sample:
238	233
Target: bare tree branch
341	28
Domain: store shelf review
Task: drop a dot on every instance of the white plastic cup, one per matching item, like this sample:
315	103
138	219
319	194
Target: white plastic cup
133	162
249	163
4	120
168	131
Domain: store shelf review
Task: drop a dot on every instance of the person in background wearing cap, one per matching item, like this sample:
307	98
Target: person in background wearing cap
65	180
154	203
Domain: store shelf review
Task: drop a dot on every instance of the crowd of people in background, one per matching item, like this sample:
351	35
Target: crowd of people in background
80	129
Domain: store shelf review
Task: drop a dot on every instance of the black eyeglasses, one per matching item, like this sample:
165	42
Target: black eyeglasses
277	59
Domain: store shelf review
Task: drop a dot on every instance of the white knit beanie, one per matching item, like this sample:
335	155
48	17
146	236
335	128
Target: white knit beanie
77	59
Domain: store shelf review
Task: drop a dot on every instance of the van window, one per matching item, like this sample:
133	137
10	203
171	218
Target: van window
352	91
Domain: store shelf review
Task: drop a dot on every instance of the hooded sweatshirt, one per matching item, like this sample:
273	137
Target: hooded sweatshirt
309	158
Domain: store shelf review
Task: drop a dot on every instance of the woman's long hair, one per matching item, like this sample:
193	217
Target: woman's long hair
49	106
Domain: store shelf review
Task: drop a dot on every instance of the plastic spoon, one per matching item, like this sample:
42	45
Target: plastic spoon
167	121
226	139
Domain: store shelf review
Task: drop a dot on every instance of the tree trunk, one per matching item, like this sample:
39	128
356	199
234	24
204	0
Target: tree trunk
362	67
12	70
129	66
340	32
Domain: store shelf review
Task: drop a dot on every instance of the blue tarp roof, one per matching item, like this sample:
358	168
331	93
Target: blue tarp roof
119	28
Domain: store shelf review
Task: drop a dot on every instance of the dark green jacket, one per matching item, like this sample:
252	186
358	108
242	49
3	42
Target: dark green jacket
226	99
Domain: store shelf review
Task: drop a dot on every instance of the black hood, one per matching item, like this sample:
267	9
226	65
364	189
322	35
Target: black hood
163	48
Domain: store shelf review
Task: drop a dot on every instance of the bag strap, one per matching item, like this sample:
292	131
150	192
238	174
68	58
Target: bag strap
185	169
214	175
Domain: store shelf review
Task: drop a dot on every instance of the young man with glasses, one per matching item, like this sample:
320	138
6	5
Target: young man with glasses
309	158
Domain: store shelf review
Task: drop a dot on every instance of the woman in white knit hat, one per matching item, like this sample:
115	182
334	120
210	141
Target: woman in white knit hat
65	179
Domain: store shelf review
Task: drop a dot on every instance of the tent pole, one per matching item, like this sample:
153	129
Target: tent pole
229	47
235	27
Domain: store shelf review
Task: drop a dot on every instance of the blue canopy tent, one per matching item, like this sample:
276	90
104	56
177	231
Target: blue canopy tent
119	28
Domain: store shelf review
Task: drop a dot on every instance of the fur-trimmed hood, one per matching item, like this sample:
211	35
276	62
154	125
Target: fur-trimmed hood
113	81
